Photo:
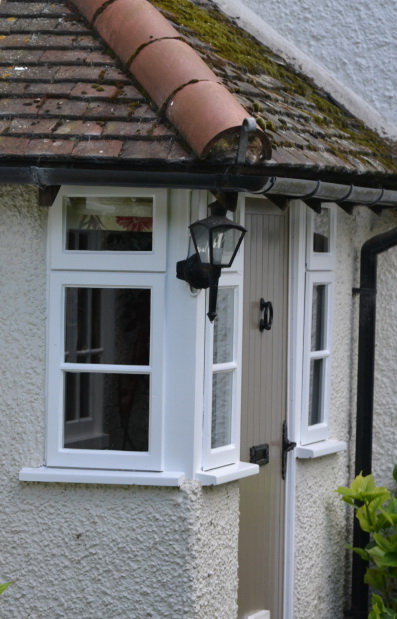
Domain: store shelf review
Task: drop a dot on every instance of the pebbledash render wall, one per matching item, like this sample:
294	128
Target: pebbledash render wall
143	552
323	523
93	552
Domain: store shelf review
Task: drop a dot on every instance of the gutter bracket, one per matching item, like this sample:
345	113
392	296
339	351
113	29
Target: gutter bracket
248	126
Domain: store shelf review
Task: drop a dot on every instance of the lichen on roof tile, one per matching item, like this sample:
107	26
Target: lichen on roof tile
60	83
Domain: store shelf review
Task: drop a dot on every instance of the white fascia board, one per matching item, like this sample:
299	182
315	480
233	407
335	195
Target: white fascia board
91	476
255	25
322	448
223	474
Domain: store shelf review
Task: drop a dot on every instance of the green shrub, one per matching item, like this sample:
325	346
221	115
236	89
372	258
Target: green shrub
4	586
376	511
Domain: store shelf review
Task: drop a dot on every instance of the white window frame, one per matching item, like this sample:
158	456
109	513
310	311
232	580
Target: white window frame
311	433
88	269
320	269
321	261
154	260
227	454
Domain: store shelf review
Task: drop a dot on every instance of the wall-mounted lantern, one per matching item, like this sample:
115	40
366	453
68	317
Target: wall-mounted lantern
216	241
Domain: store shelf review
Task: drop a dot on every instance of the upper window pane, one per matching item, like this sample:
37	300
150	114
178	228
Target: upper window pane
224	326
318	335
109	224
107	325
321	232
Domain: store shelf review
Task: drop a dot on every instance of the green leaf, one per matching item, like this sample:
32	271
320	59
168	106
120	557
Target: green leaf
395	473
384	543
375	577
5	586
389	559
379	610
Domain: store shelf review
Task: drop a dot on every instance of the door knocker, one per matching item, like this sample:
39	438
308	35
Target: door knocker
265	323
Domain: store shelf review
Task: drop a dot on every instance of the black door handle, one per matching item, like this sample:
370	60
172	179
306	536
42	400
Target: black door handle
265	323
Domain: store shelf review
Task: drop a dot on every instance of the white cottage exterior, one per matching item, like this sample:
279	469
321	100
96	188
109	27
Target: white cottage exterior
143	472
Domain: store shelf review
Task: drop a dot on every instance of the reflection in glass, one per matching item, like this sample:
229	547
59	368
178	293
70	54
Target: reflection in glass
224	326
316	391
109	224
321	231
222	397
107	325
318	334
106	411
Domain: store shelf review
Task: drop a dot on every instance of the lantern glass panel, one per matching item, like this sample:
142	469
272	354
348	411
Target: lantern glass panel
225	241
201	237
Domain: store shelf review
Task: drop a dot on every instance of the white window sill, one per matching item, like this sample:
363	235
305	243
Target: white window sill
91	476
322	448
227	473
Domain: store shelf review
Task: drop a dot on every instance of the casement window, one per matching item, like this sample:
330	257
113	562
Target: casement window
317	346
106	329
222	394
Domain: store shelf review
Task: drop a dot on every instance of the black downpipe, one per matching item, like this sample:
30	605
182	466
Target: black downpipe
365	399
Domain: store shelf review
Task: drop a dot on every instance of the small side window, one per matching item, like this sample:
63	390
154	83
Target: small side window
317	347
223	376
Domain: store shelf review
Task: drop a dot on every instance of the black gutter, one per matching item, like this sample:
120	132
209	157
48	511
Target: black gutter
48	177
365	400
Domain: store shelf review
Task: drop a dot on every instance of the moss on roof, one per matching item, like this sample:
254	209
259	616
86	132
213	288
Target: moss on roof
315	115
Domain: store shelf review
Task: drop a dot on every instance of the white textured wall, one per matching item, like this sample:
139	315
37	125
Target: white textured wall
90	552
385	401
355	41
324	523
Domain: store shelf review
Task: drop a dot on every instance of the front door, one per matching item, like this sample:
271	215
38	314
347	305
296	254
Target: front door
264	403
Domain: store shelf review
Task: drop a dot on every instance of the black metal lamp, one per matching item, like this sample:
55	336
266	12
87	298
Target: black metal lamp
216	241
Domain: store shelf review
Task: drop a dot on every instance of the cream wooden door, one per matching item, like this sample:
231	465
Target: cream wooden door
262	497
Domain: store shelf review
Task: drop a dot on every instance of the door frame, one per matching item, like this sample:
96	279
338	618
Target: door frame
296	300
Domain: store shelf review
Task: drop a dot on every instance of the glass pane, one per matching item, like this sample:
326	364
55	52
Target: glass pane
224	326
222	401
316	391
318	334
109	224
107	411
224	243
107	325
321	231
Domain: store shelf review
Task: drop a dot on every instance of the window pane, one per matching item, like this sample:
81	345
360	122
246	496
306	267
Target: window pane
109	224
107	411
107	325
224	326
316	391
222	400
321	231
318	334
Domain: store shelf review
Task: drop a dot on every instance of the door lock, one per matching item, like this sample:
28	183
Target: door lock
259	454
265	323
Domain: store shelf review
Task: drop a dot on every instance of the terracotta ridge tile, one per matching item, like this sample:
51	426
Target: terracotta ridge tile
141	47
167	68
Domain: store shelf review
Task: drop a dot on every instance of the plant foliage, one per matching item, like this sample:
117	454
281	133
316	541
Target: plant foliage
4	586
376	511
